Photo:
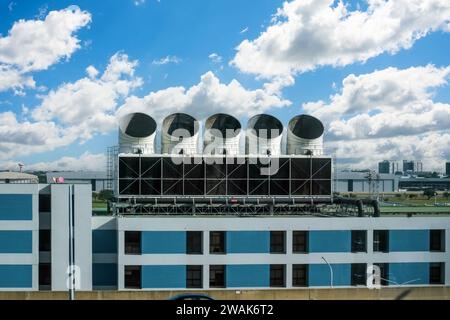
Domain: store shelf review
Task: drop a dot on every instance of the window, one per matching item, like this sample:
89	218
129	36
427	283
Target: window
359	241
45	203
194	242
45	276
45	240
437	240
133	277
300	242
217	276
359	274
132	242
194	276
277	242
277	275
437	273
217	242
300	275
350	185
381	240
384	273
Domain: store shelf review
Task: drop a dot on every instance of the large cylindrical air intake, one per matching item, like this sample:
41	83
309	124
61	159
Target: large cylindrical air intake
179	134
137	133
222	133
263	135
305	136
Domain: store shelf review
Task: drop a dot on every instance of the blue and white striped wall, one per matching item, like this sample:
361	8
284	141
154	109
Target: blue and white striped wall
248	257
19	236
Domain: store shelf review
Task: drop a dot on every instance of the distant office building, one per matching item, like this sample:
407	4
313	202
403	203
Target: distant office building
388	167
410	166
447	168
98	179
384	166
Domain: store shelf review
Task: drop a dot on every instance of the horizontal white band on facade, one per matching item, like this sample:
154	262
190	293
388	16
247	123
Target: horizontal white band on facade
279	223
19	258
19	225
258	258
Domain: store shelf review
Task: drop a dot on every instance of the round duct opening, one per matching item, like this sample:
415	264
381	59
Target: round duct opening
180	121
272	125
223	123
137	125
306	127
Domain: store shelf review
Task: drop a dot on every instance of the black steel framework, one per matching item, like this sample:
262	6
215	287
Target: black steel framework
165	176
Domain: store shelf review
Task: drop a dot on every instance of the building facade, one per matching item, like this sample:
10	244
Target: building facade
166	252
34	235
350	181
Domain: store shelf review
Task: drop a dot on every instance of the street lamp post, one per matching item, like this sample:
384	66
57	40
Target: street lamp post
331	271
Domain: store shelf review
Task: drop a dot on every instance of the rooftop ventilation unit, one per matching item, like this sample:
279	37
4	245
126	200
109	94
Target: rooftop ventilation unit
222	133
137	133
263	135
305	136
179	134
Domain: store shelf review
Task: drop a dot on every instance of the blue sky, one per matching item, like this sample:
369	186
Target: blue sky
408	63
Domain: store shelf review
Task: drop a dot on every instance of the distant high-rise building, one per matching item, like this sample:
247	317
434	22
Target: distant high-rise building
408	166
447	168
384	166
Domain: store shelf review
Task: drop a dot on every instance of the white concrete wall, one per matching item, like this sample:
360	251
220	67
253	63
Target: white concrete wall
61	196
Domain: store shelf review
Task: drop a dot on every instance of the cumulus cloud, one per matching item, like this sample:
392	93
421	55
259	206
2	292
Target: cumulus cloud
389	113
26	137
205	98
88	105
34	45
306	34
86	162
11	78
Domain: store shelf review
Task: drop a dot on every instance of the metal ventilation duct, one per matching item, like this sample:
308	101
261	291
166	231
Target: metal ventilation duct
222	133
179	134
263	135
305	136
137	133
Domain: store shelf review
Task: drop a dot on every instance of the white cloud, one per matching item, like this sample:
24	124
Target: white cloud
92	72
86	162
23	138
167	60
215	58
37	44
33	45
306	34
11	78
389	113
88	105
205	98
139	2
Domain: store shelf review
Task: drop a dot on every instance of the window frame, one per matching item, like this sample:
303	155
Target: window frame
222	235
278	247
214	269
128	246
295	244
191	242
190	279
273	278
295	283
